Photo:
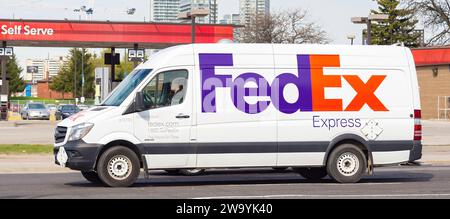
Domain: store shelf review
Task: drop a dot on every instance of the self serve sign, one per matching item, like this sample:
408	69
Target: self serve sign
26	30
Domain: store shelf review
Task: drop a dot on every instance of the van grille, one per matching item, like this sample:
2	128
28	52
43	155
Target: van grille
60	134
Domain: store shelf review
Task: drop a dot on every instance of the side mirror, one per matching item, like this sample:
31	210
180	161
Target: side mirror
139	105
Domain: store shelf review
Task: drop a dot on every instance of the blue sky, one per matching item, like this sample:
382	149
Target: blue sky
332	15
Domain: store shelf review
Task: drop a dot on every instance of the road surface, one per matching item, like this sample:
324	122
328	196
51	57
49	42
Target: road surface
388	182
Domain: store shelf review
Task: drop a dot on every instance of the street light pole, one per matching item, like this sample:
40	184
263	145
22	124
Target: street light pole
193	29
194	13
368	21
82	72
75	74
351	38
369	32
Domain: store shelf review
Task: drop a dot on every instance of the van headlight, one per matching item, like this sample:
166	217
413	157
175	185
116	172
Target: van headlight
79	131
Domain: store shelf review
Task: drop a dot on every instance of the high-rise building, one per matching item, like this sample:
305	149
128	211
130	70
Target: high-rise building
230	19
250	8
53	66
35	70
43	69
211	5
164	10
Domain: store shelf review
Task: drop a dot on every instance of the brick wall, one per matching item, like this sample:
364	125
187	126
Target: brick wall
431	86
43	91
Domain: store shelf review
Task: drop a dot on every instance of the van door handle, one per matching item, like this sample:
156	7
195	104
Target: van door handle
181	116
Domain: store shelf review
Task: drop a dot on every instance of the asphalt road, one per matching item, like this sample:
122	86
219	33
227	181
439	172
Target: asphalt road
389	182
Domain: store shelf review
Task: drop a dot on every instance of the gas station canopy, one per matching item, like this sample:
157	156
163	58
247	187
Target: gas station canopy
107	34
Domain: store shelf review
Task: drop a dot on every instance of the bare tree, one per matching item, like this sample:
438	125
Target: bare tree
261	29
284	27
435	15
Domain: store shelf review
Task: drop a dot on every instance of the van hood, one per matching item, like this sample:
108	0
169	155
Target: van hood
85	116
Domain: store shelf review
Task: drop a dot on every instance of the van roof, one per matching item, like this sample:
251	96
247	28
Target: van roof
182	55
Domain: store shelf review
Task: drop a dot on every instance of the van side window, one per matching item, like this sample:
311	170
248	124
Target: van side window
166	89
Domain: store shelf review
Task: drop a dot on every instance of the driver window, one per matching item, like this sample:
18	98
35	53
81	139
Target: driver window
166	89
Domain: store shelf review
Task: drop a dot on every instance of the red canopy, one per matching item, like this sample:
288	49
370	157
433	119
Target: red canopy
432	56
97	34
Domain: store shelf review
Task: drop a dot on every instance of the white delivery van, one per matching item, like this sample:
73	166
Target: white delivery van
320	109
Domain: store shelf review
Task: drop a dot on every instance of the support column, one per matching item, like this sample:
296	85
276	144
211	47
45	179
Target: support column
3	61
4	88
135	63
113	69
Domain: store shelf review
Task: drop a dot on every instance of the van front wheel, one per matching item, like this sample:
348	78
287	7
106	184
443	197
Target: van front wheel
346	164
91	176
118	167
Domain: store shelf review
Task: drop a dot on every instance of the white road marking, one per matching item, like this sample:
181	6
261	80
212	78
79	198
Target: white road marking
324	196
322	184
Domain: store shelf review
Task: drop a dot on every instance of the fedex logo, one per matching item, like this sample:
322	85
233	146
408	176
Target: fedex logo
309	80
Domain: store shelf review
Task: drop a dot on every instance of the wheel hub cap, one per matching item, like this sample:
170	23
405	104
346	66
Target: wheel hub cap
119	167
348	164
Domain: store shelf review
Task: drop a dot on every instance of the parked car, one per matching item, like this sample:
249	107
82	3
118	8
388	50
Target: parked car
83	107
52	108
35	111
66	110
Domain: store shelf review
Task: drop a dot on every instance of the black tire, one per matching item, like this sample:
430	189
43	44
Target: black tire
173	172
192	172
118	167
347	164
313	173
280	169
91	176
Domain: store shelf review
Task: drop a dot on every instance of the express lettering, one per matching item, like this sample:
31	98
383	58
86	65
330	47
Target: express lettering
319	122
309	81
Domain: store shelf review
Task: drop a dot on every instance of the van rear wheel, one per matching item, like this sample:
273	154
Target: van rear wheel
118	167
347	164
312	172
173	172
192	172
280	169
91	176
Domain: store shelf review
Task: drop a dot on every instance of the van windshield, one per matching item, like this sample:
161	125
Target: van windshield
126	87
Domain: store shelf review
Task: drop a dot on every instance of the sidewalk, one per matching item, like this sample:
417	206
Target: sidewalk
432	155
436	155
36	163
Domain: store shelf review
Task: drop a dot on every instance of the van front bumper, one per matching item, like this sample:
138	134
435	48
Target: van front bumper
81	156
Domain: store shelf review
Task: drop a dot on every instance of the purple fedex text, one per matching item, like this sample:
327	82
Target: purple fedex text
211	81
